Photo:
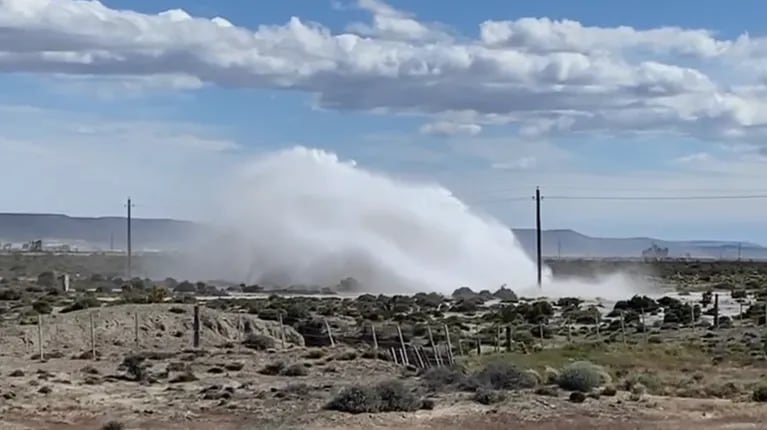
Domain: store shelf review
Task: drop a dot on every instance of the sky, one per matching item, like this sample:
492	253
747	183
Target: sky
159	99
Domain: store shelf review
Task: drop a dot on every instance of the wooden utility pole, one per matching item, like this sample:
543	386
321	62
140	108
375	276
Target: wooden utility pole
538	233
130	242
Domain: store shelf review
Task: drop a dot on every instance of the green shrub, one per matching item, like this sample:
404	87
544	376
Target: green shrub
489	397
356	400
396	397
273	369
113	425
582	376
295	370
88	301
760	394
42	307
437	378
259	342
506	376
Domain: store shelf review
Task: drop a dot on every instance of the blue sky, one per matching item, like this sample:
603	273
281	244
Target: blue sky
488	99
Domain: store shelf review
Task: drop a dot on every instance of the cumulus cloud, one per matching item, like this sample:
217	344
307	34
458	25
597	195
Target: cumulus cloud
542	75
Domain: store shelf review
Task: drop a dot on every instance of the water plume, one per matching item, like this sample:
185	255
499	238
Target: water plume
302	216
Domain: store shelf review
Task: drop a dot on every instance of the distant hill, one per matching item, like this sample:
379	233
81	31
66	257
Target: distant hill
165	234
569	243
95	232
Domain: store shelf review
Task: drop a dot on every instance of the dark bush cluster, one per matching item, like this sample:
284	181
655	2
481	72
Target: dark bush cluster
489	397
505	376
259	342
390	396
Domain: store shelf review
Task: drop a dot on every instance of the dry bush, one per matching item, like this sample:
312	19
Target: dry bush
489	397
113	425
295	370
259	342
505	376
760	394
356	400
389	396
582	376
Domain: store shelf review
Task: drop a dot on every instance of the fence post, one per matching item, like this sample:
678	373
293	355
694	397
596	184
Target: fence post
393	355
460	347
437	359
375	339
692	316
644	325
623	328
540	331
497	340
569	331
196	327
449	346
402	344
508	338
479	346
135	330
418	356
93	337
40	337
330	333
716	311
596	326
282	332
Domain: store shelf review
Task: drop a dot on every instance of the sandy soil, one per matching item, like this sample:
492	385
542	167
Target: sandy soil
230	393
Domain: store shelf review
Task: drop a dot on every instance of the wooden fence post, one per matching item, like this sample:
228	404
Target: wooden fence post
437	358
196	327
375	339
450	356
716	311
596	327
135	330
330	333
393	355
282	332
479	346
623	328
508	338
93	336
40	337
402	344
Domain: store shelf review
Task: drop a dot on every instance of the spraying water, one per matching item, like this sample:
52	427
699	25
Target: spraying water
302	216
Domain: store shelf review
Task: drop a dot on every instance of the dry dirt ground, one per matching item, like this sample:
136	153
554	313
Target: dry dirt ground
229	391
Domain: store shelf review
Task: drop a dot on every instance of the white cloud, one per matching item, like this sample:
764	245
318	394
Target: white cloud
544	76
87	164
523	163
450	129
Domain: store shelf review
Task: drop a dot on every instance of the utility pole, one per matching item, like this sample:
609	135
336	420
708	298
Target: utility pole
538	231
130	245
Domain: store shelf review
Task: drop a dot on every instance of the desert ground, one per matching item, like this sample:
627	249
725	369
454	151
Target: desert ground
691	354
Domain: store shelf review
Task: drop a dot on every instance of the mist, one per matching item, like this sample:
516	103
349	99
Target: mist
303	217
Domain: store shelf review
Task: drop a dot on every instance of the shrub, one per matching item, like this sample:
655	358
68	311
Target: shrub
609	391
134	367
760	394
259	342
356	400
582	376
396	397
577	397
547	391
177	310
113	425
10	295
506	376
186	376
295	370
42	307
489	397
437	378
273	369
314	354
234	367
88	301
550	376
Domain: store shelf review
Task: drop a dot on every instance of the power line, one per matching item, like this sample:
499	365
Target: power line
701	197
627	198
